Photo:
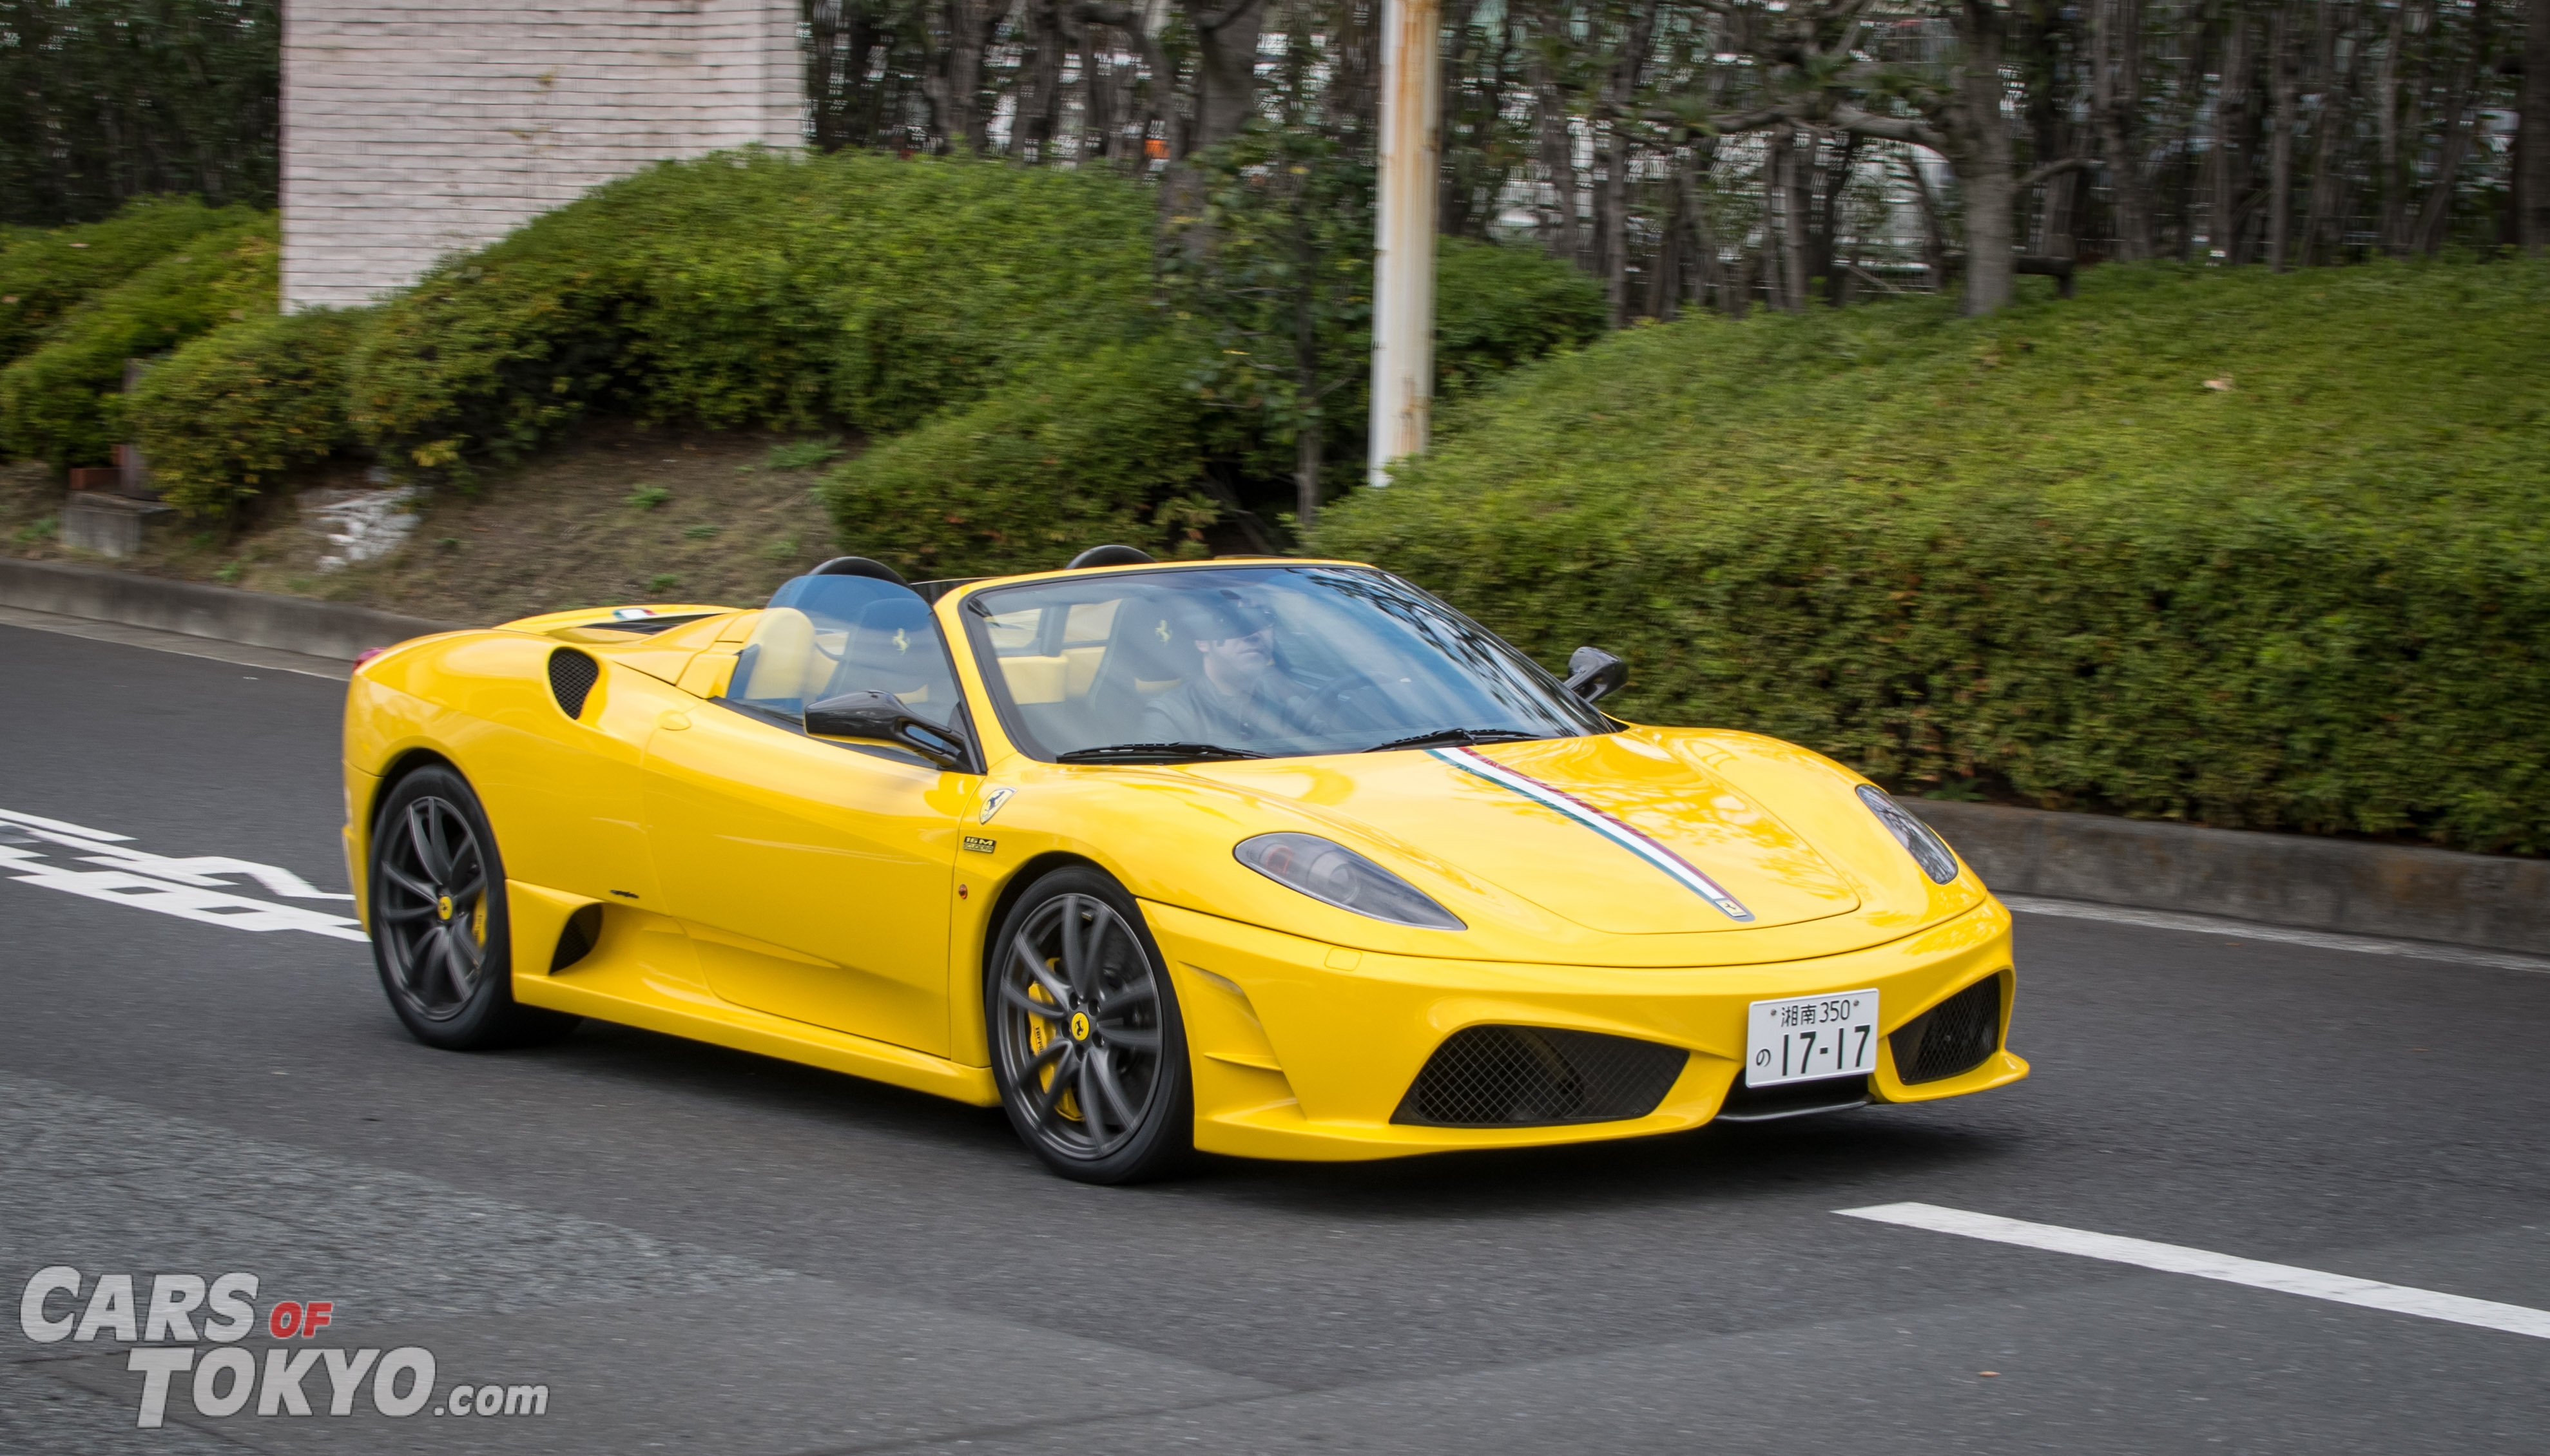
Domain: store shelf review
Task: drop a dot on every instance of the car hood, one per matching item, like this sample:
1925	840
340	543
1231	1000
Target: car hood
1615	833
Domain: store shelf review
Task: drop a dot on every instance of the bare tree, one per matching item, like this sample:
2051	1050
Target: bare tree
2533	142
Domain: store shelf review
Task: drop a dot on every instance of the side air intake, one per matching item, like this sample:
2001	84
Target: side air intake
1537	1076
1951	1037
571	678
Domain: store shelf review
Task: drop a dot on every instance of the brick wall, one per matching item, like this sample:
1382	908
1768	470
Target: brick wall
412	129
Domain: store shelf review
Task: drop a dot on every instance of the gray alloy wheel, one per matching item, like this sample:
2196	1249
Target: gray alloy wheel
1086	1041
441	934
431	907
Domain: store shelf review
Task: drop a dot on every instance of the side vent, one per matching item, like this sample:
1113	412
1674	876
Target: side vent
583	931
571	678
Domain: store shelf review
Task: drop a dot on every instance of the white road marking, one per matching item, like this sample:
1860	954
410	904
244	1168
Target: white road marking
2166	920
192	888
2172	1258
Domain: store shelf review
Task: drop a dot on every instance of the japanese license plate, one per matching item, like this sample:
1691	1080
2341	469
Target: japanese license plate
1810	1036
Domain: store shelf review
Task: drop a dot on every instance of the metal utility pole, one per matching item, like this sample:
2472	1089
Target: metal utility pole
1402	265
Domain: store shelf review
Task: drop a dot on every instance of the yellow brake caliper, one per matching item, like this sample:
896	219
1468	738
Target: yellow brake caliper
1039	1032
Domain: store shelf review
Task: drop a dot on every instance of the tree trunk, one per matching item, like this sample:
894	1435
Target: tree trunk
2393	228
1611	218
2118	86
1557	160
955	90
1452	197
1983	159
1708	283
2227	169
1797	209
1039	116
1308	443
2435	223
1665	269
1226	70
2283	52
1835	183
1612	223
2532	139
1738	291
1775	189
1934	233
1097	95
2327	195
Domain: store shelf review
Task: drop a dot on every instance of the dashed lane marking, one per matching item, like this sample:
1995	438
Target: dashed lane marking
2172	1258
195	887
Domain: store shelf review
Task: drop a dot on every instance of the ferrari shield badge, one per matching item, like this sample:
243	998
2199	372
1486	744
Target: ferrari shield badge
991	803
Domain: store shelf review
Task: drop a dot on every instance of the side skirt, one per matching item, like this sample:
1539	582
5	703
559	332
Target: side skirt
626	979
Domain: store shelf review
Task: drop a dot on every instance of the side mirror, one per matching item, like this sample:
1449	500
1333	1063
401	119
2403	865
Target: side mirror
1594	674
882	715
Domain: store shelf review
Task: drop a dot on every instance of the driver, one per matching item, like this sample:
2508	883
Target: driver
1240	696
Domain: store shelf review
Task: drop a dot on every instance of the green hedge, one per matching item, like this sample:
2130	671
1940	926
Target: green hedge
42	275
231	412
1085	451
62	402
1497	307
756	288
2037	557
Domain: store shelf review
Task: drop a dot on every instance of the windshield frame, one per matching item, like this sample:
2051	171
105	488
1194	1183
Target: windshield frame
978	608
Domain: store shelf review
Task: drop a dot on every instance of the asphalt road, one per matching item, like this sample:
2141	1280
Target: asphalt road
703	1251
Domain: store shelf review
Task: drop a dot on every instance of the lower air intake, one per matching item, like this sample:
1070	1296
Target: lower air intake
571	678
1537	1076
1951	1037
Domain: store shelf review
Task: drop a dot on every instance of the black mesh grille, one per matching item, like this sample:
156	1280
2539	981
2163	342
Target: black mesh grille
571	678
1532	1076
1951	1037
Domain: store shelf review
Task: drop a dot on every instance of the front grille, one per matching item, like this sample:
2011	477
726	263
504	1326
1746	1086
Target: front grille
571	678
1536	1076
1951	1037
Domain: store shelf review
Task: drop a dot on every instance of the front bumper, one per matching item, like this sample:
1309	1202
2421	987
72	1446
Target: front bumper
1304	1050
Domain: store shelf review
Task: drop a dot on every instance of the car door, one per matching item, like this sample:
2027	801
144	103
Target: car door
816	875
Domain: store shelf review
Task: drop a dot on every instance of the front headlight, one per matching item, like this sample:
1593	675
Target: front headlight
1331	873
1927	849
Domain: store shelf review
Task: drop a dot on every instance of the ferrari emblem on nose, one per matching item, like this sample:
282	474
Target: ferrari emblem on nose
1080	1025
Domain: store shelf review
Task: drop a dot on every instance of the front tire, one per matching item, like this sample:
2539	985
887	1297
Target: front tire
1087	1046
442	938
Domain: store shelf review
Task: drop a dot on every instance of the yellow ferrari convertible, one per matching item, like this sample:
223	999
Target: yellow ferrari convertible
1273	857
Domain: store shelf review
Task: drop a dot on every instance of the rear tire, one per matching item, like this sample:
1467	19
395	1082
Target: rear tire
1087	1046
441	936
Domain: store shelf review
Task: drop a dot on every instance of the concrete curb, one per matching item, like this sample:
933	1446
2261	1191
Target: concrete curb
222	614
2299	880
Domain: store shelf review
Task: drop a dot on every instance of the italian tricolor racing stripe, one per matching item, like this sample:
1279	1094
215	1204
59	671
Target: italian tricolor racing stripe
1618	832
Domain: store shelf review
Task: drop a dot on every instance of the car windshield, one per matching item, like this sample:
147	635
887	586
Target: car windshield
1260	661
